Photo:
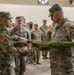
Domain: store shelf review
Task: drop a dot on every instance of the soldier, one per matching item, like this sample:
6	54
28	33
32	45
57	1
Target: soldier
36	34
20	31
61	59
24	22
44	29
7	50
30	25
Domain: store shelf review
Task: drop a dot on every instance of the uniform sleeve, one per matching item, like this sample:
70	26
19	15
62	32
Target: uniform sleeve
2	37
12	31
41	29
70	30
48	35
32	35
29	34
42	36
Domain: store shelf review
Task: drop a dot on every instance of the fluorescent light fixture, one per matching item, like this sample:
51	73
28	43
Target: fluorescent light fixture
43	1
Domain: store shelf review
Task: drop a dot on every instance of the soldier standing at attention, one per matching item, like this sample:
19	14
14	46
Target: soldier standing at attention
36	34
61	59
7	50
44	29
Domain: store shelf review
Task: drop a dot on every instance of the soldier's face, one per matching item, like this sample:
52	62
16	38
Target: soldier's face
36	27
19	22
7	22
55	17
44	22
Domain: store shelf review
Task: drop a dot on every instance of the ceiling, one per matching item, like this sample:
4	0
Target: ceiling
65	3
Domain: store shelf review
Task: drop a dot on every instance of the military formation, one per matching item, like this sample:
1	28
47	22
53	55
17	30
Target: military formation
15	44
16	47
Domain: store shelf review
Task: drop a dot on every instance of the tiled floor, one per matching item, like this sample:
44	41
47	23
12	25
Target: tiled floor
43	69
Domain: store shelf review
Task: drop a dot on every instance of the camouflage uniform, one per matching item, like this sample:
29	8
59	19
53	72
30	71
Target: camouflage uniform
7	50
62	59
44	29
21	32
49	32
36	35
48	35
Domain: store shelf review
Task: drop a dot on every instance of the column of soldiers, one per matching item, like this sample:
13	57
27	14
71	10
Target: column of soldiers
11	54
61	59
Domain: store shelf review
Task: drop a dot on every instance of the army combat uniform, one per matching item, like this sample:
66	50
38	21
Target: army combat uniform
44	29
62	59
36	35
7	50
21	32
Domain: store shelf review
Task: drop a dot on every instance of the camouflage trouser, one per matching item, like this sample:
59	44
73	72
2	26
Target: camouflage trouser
55	72
61	61
36	55
45	52
20	65
7	71
61	66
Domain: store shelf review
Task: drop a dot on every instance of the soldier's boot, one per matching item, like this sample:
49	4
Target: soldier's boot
34	63
43	57
38	62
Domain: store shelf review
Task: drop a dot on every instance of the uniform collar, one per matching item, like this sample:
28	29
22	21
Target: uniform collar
60	24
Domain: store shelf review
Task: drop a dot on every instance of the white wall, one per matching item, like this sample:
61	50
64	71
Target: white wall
34	13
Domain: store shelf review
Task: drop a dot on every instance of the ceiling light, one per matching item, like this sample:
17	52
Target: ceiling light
43	1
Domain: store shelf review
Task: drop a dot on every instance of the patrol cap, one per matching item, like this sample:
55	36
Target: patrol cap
54	8
31	23
22	17
5	14
36	24
19	18
44	20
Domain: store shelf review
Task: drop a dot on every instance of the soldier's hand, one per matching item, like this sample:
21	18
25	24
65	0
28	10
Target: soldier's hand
14	36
